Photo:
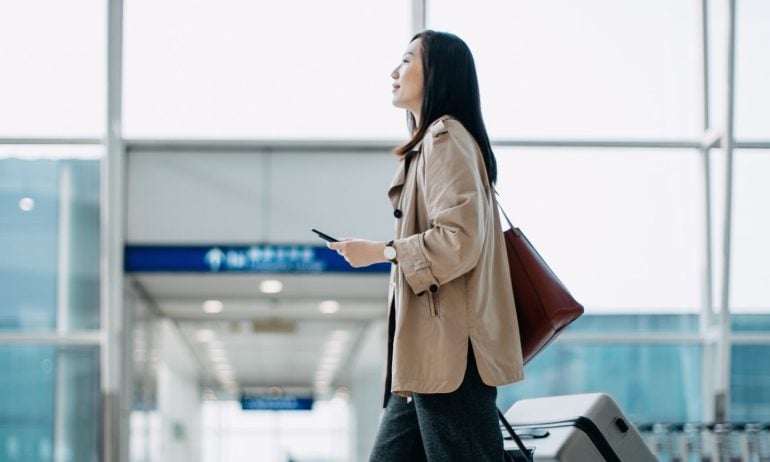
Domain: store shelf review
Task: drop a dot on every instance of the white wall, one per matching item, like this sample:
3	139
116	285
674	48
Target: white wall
234	435
240	198
366	383
179	398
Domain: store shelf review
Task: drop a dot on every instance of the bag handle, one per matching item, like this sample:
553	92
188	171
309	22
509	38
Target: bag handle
524	451
513	228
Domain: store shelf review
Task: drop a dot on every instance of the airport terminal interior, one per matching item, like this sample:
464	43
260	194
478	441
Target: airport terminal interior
162	163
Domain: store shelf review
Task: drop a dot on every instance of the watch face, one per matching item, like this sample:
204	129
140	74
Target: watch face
390	253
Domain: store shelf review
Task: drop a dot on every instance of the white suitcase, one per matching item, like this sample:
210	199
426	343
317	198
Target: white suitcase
576	428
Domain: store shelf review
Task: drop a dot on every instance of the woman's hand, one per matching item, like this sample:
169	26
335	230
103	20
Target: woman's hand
360	252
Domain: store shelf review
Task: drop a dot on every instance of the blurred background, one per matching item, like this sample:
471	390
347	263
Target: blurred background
162	162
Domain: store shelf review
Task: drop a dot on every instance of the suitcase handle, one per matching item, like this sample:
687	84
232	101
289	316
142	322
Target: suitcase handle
533	433
525	453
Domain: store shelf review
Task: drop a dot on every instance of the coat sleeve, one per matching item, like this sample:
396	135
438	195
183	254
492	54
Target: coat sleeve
456	204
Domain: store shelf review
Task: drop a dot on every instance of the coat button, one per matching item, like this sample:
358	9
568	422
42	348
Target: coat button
433	288
397	213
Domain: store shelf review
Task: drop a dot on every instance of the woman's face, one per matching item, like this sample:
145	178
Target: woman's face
407	79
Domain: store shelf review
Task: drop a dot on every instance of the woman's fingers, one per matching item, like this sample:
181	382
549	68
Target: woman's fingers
338	246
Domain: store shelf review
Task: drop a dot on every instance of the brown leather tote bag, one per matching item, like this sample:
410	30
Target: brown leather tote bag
544	307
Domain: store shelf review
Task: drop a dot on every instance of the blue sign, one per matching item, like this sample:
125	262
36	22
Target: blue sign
241	259
276	403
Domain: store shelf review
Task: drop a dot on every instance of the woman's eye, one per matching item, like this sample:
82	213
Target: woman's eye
404	61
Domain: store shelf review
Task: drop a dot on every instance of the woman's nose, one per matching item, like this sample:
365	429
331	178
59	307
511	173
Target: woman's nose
394	74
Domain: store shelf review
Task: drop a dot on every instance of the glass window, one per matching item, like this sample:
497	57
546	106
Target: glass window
752	70
49	239
590	69
53	81
623	229
750	272
49	404
750	383
717	61
237	68
652	383
750	322
636	323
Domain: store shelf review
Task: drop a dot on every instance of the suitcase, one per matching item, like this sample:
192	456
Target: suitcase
575	428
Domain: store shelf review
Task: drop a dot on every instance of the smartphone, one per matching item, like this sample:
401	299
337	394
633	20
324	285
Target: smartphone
324	236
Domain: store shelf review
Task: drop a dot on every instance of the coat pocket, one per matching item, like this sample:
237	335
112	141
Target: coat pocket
434	304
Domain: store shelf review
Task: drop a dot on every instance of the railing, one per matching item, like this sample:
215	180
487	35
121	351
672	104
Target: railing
708	442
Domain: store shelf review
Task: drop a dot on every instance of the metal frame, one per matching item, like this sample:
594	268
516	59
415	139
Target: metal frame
116	386
358	146
722	393
707	315
79	338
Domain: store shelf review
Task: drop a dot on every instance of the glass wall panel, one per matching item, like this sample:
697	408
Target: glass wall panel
752	70
49	239
53	79
750	272
750	383
594	68
623	229
750	322
49	404
636	323
652	383
289	69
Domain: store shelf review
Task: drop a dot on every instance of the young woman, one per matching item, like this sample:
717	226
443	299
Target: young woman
453	334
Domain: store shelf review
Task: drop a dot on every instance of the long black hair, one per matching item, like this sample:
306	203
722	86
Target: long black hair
450	87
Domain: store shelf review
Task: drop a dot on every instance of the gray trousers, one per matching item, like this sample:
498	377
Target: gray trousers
442	427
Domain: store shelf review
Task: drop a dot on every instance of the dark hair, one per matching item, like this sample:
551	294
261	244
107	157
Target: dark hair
450	87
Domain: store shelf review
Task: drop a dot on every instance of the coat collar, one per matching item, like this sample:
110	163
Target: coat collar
400	177
436	128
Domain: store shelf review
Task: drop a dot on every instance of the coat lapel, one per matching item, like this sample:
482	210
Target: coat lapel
397	184
394	190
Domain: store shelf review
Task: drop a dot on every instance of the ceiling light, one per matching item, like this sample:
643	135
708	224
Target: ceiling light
216	345
340	335
27	204
213	306
326	368
328	307
334	348
341	395
218	358
205	335
331	359
271	286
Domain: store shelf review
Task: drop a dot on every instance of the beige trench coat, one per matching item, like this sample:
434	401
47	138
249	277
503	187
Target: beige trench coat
451	282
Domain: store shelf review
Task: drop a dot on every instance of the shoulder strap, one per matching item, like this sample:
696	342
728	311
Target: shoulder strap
501	209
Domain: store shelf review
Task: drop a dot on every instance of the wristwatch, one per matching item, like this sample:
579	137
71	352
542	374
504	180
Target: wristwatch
390	252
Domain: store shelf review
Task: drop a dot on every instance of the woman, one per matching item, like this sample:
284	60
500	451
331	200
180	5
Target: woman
453	334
